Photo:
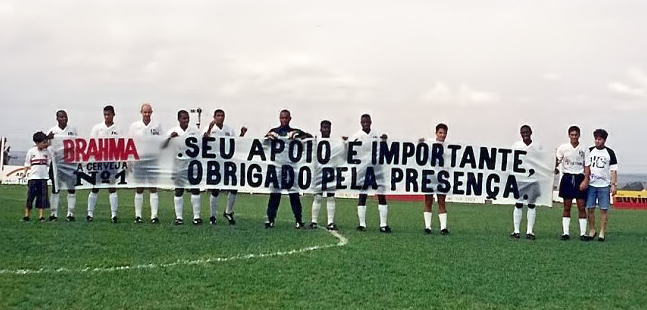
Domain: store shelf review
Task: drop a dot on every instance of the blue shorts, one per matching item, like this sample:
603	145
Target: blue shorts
600	196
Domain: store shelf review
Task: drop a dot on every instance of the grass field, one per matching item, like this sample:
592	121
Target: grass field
72	265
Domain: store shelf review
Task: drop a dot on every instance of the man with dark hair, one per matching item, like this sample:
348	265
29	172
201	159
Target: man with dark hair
284	131
325	129
603	181
217	128
441	134
572	156
62	170
528	189
105	129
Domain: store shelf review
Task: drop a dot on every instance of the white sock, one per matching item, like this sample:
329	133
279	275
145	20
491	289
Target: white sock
179	206
566	223
583	223
139	204
427	217
532	213
330	208
516	218
213	205
384	212
71	204
361	214
114	204
443	220
154	199
53	204
316	206
92	202
195	203
231	200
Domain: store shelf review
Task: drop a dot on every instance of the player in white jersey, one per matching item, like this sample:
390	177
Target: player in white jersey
441	134
325	129
603	182
366	135
528	189
65	172
105	129
145	171
571	157
37	162
177	135
217	128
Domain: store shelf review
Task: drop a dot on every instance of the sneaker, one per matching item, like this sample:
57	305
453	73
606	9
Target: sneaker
138	220
212	220
25	219
89	218
385	229
230	218
565	237
197	222
53	218
178	222
312	225
585	238
332	226
155	220
444	231
299	225
515	235
70	218
428	231
269	224
530	236
42	219
601	239
361	228
114	220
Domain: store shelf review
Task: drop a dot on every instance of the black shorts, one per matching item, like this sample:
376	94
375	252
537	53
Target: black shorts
37	190
569	186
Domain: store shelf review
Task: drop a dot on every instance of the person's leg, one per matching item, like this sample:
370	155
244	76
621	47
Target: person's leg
92	202
178	202
591	200
114	203
531	215
316	207
31	194
155	202
55	198
566	217
295	203
426	212
361	211
330	209
71	204
139	204
272	207
604	199
581	210
213	205
517	215
383	209
229	211
442	213
196	206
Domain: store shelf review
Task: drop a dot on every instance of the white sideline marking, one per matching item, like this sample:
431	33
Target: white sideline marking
342	241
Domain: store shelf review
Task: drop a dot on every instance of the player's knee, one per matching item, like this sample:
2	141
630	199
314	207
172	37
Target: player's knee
71	191
381	199
531	206
519	205
194	191
95	190
179	192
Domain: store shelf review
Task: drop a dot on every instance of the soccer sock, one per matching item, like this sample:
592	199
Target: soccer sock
139	204
195	203
427	217
532	213
566	223
443	220
92	202
384	212
114	204
53	201
583	225
213	205
516	219
179	206
71	204
155	204
316	206
361	214
231	200
330	208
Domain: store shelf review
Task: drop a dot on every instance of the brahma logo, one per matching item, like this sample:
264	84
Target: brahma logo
99	149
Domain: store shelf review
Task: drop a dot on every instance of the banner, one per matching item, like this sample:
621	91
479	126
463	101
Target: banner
501	174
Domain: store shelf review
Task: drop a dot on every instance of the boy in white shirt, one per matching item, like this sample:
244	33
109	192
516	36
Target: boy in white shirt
441	135
37	163
603	181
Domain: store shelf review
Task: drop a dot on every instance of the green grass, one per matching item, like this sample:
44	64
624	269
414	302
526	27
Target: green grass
476	267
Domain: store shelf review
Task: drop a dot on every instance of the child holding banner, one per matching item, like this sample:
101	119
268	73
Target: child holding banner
528	189
325	129
37	162
441	134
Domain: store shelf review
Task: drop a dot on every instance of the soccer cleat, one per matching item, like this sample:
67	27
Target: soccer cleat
269	224
444	231
515	235
428	231
230	218
332	226
138	220
312	225
89	218
25	219
565	237
52	218
70	218
361	228
530	236
385	229
42	219
114	220
212	220
299	225
585	238
197	221
178	222
155	220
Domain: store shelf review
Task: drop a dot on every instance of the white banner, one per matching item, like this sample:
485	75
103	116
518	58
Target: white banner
308	166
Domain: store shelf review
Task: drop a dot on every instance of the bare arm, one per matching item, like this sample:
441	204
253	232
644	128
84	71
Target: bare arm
587	174
614	182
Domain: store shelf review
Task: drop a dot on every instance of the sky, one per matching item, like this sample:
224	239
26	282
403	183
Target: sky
482	67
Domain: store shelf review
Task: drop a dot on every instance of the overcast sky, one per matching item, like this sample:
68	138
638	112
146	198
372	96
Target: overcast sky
482	67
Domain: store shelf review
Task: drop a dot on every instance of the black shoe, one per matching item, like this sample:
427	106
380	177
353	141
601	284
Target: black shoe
70	218
52	218
385	229
361	228
212	220
530	236
269	224
89	218
444	232
312	225
601	239
299	225
197	222
42	219
155	220
428	231
178	222
515	235
25	219
585	238
114	220
138	220
230	218
565	237
332	226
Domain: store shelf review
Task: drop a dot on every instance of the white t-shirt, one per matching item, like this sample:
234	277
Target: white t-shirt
225	131
520	145
67	131
38	161
102	131
139	129
602	162
362	136
572	158
191	131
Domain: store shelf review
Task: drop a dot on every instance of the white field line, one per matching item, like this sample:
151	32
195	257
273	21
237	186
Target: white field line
342	241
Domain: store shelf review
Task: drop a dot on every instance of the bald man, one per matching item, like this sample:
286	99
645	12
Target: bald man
145	170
